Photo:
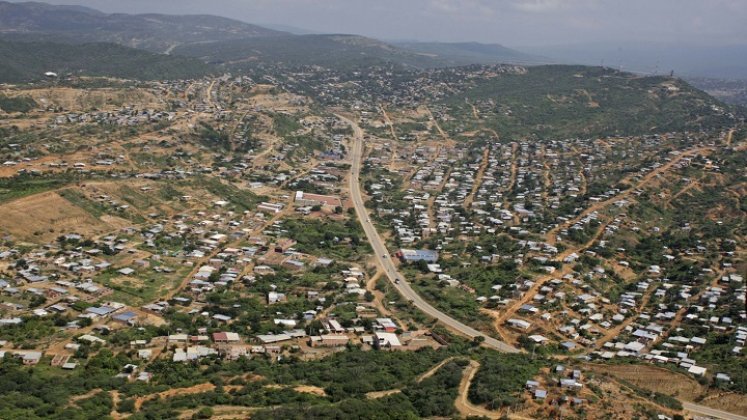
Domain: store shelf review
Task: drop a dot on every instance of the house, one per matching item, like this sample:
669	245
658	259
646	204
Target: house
126	271
330	340
100	310
128	318
284	244
386	324
273	338
519	324
221	318
272	208
415	255
386	340
304	199
697	370
334	327
91	339
275	297
226	337
570	384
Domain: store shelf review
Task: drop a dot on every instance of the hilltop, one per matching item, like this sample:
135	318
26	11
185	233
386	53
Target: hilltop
234	44
557	100
332	51
463	53
28	61
153	32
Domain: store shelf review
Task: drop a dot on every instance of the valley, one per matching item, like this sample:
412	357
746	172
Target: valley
254	233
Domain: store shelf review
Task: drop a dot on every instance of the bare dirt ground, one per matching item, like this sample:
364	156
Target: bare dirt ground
381	394
85	99
43	217
671	383
310	389
433	370
465	407
196	389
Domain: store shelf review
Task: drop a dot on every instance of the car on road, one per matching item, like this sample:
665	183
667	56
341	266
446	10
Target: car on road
396	281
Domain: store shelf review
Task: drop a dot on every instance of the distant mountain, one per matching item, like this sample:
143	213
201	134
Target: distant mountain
28	61
290	29
234	44
718	62
463	53
338	51
154	32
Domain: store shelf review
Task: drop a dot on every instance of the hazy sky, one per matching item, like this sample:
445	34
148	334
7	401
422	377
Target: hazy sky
510	22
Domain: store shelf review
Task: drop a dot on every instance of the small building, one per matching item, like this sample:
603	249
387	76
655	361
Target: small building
386	340
128	318
226	337
305	199
415	255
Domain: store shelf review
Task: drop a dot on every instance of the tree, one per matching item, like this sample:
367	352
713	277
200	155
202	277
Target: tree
203	413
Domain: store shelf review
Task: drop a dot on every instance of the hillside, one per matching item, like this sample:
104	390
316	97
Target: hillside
338	51
235	44
28	61
153	32
586	101
463	53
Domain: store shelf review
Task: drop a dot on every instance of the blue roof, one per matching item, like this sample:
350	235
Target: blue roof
100	310
125	316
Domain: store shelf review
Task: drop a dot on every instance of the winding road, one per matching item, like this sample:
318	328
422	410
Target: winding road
382	254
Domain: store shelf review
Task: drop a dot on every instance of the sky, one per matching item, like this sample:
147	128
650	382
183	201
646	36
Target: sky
508	22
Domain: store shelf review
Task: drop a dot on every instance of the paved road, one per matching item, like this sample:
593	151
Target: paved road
382	254
711	412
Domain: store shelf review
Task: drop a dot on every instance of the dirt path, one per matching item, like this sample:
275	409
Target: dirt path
174	392
433	370
475	112
614	332
582	175
89	394
478	178
170	48
565	269
552	234
465	407
688	187
438	127
514	172
388	122
209	94
381	394
286	211
378	301
729	137
683	310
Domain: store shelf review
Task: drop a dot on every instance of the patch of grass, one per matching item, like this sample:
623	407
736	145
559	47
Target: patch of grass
243	199
145	286
17	104
79	199
23	186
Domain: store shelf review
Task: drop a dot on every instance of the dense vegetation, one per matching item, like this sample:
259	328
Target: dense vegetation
16	104
328	238
332	51
567	101
499	377
153	32
28	61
